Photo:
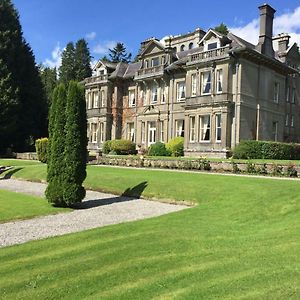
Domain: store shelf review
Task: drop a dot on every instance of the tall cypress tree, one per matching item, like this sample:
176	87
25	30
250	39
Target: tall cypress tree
56	163
82	60
19	60
67	70
75	145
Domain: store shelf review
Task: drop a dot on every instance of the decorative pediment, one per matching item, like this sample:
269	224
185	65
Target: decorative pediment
213	39
153	47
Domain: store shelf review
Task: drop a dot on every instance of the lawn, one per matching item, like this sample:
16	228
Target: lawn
19	206
240	241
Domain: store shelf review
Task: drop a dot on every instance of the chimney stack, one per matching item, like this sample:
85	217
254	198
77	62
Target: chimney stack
265	45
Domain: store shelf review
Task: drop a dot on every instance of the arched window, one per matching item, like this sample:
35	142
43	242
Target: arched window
175	49
182	48
191	46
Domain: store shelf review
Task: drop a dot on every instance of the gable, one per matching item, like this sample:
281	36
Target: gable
154	47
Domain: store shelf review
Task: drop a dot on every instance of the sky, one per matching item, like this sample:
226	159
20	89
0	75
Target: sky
48	25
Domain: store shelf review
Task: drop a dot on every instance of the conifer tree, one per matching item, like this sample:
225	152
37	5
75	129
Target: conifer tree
56	163
222	28
67	70
119	54
82	60
49	81
75	145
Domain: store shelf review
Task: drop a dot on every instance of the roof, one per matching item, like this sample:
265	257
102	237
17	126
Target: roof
240	41
132	69
120	70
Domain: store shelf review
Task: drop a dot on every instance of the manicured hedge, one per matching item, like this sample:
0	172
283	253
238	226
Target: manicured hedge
266	150
158	149
123	147
41	149
175	146
106	147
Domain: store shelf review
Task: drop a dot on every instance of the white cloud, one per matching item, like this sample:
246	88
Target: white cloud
102	48
286	23
55	60
91	35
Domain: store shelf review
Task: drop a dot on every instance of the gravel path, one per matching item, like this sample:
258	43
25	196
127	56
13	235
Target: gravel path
97	210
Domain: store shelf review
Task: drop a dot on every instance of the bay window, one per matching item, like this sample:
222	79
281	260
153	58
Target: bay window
205	128
218	127
192	129
206	83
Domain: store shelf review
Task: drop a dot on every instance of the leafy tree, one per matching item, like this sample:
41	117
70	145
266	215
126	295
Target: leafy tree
56	146
75	145
82	60
222	28
67	70
119	54
18	59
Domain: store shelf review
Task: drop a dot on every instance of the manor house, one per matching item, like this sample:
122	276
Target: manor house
212	89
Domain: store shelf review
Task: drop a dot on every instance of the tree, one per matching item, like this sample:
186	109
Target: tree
18	59
119	54
67	70
222	28
8	107
82	60
49	81
75	145
56	163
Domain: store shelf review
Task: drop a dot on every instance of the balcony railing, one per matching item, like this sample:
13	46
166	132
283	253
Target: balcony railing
207	55
148	72
94	79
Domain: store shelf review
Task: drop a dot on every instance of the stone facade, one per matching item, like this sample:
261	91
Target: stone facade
213	89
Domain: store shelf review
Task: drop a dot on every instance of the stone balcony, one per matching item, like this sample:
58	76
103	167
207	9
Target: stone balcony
96	79
205	56
149	72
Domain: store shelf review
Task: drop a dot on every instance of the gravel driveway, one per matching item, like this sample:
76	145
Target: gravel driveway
97	210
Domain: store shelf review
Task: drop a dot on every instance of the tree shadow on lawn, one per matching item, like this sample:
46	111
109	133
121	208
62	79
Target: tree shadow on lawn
128	195
10	173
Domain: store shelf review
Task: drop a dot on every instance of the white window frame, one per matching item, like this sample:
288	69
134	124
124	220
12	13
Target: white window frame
94	130
130	131
276	91
204	129
219	81
179	126
102	98
154	93
218	117
89	100
192	135
181	92
151	132
131	98
162	132
155	59
194	85
163	94
204	84
95	99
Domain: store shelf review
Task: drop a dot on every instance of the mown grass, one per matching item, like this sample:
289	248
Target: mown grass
19	206
240	242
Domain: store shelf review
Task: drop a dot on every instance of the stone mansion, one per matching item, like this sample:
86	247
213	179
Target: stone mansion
212	89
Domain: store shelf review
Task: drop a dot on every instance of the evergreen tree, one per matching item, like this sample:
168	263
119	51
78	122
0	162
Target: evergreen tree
8	107
49	81
67	70
75	145
119	54
56	163
222	28
19	61
82	60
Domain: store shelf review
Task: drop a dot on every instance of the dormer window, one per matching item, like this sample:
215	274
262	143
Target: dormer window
191	45
155	62
211	46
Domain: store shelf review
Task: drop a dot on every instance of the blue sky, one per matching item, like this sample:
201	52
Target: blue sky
49	24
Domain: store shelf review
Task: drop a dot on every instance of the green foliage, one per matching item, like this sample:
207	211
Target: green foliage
291	171
123	147
175	146
277	170
262	169
158	149
49	80
75	152
251	168
82	60
67	70
56	163
106	148
222	28
41	146
235	168
119	54
24	101
266	150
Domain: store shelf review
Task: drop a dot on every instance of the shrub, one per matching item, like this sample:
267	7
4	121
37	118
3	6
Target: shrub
106	147
41	149
158	149
266	150
277	170
251	168
123	147
175	146
291	171
262	169
235	168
